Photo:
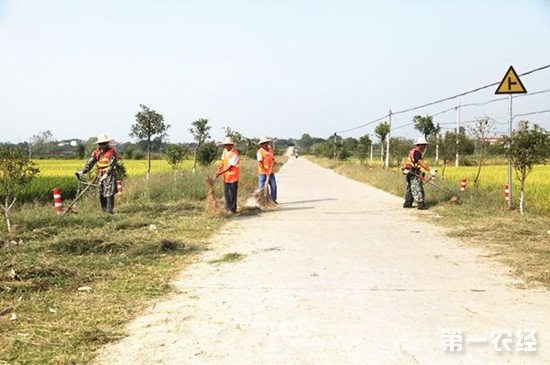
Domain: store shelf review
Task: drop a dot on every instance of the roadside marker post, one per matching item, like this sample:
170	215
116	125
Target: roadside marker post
510	84
507	194
463	184
57	201
119	187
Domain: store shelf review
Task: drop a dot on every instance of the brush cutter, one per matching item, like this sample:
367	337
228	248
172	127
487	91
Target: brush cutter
87	186
454	197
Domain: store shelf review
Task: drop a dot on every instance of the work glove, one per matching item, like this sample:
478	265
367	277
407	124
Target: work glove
405	171
79	174
433	172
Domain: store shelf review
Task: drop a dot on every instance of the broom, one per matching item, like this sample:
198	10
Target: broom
263	198
212	204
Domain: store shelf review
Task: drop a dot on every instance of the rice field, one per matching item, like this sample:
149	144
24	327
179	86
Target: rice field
493	178
59	168
59	174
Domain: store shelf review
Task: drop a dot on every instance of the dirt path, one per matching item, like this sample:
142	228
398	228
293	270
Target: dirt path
340	274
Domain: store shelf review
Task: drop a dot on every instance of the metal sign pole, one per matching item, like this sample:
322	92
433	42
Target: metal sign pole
510	157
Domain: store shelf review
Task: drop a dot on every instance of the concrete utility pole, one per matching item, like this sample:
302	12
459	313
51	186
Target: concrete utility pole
334	145
371	151
457	130
387	164
510	157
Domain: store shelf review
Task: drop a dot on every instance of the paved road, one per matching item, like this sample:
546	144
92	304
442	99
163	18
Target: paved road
340	274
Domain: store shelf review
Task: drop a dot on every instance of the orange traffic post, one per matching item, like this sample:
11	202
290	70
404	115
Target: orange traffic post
57	201
463	184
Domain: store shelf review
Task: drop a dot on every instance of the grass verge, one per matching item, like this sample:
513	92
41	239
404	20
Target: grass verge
521	242
119	262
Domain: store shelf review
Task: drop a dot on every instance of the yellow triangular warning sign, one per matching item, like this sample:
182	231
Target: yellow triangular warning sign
511	84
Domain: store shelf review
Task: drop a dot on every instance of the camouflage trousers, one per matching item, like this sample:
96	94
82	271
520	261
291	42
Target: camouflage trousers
415	189
107	187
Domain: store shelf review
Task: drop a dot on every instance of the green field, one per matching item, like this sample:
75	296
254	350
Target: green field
59	174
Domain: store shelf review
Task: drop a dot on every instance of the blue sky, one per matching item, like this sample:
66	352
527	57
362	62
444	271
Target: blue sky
281	68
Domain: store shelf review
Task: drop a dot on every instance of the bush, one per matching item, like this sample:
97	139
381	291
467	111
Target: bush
208	153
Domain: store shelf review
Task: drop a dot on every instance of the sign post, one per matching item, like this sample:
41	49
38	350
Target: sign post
510	84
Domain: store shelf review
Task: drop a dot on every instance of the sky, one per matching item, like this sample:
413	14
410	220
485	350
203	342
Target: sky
278	68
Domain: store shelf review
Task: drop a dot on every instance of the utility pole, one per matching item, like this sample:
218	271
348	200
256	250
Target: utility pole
371	150
509	156
387	164
457	130
334	145
30	144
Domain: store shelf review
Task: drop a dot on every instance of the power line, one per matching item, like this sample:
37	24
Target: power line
532	113
363	125
442	100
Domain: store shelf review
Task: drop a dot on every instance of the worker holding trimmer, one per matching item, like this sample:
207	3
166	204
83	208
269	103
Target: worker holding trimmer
104	156
412	170
229	170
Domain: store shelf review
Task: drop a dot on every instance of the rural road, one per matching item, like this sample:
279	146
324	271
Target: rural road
340	274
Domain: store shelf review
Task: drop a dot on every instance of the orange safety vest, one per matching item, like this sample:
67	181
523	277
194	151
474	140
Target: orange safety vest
409	161
232	175
265	166
103	159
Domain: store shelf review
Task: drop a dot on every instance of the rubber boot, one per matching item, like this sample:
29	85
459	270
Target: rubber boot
407	205
422	206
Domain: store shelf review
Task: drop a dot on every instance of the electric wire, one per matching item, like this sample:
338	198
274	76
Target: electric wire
442	100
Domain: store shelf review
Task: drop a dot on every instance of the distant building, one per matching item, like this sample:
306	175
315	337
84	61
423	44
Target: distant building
493	140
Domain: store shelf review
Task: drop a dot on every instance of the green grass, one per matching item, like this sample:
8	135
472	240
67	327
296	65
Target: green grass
228	258
480	218
128	259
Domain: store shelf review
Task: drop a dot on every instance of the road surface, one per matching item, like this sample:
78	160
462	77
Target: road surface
340	274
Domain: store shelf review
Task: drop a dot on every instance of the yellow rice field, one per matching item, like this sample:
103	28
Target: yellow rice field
62	168
493	179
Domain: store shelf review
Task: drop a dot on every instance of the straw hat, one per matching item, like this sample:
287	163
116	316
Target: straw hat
227	140
421	140
264	139
103	138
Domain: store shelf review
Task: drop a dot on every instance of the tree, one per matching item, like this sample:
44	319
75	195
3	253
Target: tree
80	151
363	148
447	150
527	147
40	143
200	132
400	148
16	171
174	154
481	130
207	153
425	125
149	123
382	131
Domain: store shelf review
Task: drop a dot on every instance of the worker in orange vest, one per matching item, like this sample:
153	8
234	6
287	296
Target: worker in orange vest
266	163
412	170
229	170
104	156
